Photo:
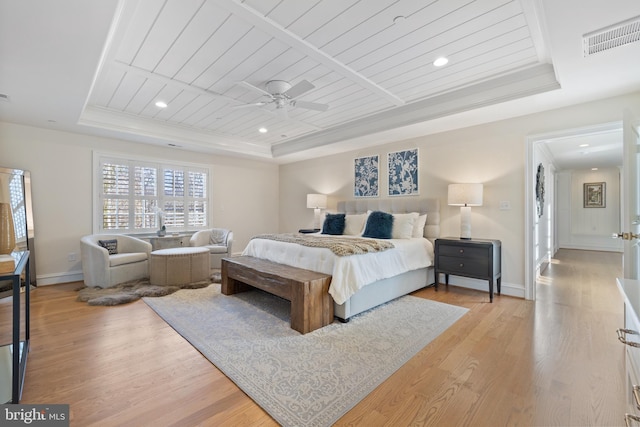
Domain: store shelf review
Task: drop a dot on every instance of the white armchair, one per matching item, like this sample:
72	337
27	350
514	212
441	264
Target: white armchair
217	240
100	269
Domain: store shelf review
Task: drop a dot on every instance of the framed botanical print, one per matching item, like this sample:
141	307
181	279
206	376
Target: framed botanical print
403	172
540	190
365	179
594	195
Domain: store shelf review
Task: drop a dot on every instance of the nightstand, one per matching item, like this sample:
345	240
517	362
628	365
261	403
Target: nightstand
475	258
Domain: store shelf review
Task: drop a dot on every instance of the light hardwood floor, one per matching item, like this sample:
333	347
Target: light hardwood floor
511	363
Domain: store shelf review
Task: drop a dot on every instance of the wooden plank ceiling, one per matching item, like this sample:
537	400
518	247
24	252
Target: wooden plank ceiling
365	58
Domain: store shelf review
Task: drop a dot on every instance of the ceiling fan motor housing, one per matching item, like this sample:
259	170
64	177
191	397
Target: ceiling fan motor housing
278	87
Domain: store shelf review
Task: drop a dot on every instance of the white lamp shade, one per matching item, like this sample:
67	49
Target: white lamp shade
317	201
465	195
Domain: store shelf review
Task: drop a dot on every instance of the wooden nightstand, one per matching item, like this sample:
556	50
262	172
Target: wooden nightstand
475	258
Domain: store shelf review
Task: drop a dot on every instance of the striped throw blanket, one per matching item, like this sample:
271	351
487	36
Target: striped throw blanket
341	246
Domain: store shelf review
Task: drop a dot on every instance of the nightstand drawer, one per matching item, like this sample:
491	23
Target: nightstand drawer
469	266
462	251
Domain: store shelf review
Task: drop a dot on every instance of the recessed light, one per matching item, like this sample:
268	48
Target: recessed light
263	130
398	19
594	169
583	145
440	61
161	104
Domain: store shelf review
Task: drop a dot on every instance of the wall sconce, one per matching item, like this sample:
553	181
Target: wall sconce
465	196
316	202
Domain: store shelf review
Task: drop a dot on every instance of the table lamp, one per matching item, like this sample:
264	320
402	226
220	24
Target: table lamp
465	196
316	202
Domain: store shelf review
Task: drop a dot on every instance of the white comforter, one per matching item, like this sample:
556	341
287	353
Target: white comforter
349	273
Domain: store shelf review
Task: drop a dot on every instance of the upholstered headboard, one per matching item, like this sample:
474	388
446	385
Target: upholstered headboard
431	207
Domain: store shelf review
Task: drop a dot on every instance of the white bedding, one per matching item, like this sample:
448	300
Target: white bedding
349	273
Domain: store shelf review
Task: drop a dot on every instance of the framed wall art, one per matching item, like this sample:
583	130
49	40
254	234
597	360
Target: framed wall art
594	194
540	190
365	180
403	172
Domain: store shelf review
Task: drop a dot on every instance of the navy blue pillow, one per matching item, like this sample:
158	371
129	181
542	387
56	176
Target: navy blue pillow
379	225
334	224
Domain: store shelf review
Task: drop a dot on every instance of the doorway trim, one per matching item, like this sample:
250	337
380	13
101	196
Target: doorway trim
532	143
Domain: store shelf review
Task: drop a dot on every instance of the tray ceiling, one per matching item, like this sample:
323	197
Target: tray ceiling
99	68
370	61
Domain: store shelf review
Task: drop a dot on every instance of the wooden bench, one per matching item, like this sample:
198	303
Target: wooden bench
308	291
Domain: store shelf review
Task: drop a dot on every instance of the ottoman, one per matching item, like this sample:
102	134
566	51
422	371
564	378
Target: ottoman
179	266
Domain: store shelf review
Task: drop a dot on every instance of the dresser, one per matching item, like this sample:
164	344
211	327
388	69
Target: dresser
474	258
630	336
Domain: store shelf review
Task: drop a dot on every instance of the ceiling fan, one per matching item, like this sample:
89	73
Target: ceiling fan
282	95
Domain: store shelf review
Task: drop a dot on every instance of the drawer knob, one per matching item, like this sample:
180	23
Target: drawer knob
461	265
461	251
622	337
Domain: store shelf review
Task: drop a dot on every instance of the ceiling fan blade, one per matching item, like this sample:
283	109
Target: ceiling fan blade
310	105
252	87
257	104
299	89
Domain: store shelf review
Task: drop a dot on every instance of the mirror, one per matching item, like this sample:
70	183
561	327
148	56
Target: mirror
15	189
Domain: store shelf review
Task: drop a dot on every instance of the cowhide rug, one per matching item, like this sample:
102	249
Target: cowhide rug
134	290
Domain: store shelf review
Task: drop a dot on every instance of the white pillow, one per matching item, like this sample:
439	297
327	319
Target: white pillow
354	224
403	225
418	226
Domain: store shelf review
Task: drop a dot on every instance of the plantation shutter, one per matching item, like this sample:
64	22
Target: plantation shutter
133	195
197	199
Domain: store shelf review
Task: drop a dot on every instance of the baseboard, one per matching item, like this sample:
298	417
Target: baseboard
509	289
57	278
589	248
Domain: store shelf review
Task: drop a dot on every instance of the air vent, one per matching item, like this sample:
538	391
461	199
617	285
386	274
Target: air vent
607	38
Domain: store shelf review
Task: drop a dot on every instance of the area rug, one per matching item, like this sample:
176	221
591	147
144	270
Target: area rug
124	293
302	380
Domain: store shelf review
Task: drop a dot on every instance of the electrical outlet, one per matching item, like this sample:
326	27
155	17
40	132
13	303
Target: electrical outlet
72	257
505	205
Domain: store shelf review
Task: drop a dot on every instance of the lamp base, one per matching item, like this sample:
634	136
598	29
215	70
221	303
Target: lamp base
317	217
465	222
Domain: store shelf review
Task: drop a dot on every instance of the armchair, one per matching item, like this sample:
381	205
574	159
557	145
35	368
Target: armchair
217	240
100	269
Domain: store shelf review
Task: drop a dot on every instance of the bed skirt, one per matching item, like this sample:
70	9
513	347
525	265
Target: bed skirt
383	291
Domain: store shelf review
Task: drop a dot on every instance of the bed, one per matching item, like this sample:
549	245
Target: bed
359	286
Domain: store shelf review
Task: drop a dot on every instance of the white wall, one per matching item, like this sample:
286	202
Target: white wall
493	154
589	228
245	192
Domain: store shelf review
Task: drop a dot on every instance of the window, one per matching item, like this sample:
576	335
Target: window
16	193
142	196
